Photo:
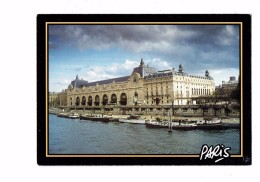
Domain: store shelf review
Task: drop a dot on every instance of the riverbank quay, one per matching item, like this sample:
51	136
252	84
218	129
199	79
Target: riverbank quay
228	122
220	111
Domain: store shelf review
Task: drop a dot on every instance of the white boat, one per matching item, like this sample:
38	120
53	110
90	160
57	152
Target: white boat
98	117
182	125
73	116
133	119
209	121
209	124
63	115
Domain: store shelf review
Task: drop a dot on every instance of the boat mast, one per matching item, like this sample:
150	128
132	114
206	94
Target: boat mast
170	122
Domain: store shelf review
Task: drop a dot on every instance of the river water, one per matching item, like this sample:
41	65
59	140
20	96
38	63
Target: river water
75	136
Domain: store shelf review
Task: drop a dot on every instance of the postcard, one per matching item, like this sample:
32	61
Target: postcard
144	89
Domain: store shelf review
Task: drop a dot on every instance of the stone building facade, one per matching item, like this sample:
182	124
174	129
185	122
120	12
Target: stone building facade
53	99
230	85
58	99
62	98
145	87
227	86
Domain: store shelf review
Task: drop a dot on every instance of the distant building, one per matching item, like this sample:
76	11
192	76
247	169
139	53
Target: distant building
144	87
62	98
53	99
58	99
227	86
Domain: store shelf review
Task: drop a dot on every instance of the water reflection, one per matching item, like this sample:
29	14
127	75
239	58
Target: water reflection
74	136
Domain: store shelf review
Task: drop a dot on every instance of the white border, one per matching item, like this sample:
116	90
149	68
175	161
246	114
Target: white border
18	80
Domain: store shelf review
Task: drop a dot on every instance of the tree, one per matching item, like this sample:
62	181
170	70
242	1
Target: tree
235	94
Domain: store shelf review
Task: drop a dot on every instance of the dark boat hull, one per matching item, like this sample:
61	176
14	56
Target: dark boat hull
210	126
184	127
63	116
156	126
95	118
73	117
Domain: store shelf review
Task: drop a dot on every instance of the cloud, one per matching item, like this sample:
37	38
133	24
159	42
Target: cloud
95	73
77	69
139	38
62	82
159	64
220	75
197	47
92	72
57	85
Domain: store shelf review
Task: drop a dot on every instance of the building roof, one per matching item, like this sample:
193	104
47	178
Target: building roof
202	77
145	72
78	83
158	74
102	82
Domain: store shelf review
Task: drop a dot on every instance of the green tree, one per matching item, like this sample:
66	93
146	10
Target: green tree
235	94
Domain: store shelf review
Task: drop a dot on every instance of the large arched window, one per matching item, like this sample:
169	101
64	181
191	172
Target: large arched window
77	101
123	99
113	98
135	98
90	101
83	102
97	100
105	100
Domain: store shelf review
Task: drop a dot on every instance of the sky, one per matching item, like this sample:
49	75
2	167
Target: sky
98	52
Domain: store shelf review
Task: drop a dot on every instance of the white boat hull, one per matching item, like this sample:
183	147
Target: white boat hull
133	121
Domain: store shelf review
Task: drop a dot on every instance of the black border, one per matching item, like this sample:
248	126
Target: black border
41	88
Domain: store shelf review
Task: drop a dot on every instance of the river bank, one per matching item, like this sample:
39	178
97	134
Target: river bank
225	120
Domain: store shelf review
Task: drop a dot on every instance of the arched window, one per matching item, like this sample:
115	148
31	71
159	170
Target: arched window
105	100
83	102
77	101
123	99
97	100
90	101
113	98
